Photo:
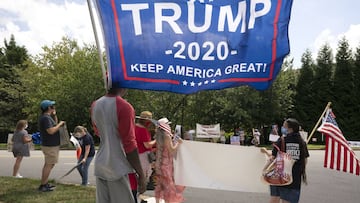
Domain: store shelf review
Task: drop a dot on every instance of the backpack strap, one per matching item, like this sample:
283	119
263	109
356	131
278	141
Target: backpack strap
282	144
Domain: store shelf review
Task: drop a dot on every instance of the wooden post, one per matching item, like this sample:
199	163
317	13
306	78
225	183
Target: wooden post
318	122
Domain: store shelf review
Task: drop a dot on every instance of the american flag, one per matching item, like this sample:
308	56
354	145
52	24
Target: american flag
338	153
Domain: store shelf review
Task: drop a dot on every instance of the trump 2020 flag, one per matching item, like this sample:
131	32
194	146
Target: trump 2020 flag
186	46
338	153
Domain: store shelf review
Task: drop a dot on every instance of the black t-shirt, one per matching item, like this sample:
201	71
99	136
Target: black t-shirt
293	145
46	122
87	140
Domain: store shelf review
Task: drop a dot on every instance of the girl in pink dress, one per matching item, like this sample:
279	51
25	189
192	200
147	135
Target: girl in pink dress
165	185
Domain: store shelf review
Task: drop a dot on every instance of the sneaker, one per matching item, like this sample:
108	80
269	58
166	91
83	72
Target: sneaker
50	186
45	188
18	176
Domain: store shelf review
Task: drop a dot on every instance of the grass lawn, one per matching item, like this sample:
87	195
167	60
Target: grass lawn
15	190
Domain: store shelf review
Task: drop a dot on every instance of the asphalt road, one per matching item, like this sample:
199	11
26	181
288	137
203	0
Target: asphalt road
325	185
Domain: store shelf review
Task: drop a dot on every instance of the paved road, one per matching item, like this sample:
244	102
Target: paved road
325	186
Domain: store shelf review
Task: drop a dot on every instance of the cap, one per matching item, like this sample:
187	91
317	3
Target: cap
46	103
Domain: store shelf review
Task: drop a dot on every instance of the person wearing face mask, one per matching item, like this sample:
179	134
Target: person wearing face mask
296	147
21	140
86	143
50	141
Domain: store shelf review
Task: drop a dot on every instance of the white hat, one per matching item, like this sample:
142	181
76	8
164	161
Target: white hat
166	127
164	120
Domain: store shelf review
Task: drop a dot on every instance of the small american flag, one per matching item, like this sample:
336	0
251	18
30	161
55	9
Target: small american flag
338	154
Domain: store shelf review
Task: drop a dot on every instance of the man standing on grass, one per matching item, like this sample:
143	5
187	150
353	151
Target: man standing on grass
50	141
114	122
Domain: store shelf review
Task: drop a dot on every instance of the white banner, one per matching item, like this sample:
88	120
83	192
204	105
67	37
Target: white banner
219	167
208	131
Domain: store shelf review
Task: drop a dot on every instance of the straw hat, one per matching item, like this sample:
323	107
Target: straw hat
145	115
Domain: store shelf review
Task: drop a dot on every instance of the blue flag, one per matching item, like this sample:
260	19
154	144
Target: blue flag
186	46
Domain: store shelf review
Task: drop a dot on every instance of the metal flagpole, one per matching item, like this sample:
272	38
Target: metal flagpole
98	45
317	124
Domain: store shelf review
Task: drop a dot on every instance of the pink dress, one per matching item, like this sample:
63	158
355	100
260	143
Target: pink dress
165	185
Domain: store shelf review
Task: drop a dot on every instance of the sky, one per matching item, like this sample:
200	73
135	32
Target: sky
36	23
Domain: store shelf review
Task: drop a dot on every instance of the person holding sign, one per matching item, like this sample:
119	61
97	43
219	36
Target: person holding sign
166	147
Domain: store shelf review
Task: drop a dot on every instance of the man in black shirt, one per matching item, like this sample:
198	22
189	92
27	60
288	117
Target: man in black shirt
50	141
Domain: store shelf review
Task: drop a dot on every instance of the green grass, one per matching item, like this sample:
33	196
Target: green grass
14	190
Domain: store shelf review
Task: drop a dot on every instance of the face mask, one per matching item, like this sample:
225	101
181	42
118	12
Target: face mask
284	130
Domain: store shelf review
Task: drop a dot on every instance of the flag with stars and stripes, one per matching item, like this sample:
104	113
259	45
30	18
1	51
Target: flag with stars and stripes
338	153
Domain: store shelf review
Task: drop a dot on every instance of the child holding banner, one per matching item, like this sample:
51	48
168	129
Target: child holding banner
165	185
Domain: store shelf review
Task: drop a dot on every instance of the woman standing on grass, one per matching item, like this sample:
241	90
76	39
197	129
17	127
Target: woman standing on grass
20	148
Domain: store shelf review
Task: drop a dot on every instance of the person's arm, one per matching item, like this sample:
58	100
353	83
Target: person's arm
87	150
169	144
133	158
26	138
56	128
126	129
149	145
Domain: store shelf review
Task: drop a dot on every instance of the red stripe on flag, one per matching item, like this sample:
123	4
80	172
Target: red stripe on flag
345	161
326	151
351	163
338	160
332	153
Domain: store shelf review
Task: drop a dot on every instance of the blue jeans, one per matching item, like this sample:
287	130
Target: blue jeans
84	168
290	195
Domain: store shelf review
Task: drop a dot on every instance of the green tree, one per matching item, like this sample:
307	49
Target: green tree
304	97
323	83
13	59
343	88
356	93
68	74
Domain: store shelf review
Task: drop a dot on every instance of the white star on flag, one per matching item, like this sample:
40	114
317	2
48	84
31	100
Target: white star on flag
185	83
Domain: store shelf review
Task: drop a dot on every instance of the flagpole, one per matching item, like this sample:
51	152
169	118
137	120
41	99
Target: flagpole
318	122
98	45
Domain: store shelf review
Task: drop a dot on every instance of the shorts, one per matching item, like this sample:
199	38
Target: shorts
288	194
51	154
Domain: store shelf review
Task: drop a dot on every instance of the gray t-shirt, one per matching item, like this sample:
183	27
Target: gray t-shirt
19	147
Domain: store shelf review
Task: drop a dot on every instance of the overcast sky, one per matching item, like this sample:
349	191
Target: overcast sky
36	23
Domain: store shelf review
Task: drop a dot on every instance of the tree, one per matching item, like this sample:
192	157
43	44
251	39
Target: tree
304	97
356	93
13	59
68	74
343	102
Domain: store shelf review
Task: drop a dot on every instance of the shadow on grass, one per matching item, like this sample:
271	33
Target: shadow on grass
25	190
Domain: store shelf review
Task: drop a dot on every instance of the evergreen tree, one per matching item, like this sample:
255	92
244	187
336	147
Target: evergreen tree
343	101
324	69
356	92
13	59
304	97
